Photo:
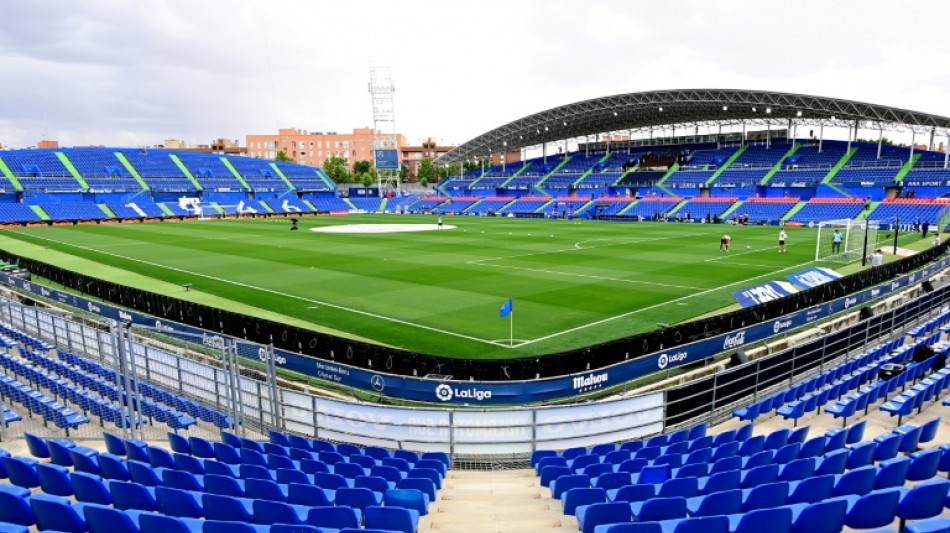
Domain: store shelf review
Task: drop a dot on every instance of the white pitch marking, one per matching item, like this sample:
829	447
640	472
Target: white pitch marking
286	295
661	304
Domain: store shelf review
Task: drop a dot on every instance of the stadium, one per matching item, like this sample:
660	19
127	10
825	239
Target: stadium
682	310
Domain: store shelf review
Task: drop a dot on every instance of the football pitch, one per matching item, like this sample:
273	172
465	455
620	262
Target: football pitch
572	283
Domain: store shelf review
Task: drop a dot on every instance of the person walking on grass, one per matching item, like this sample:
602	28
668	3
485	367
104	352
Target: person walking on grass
781	241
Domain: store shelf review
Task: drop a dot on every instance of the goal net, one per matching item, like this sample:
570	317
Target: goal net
843	241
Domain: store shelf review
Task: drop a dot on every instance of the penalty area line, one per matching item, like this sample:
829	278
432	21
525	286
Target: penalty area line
660	304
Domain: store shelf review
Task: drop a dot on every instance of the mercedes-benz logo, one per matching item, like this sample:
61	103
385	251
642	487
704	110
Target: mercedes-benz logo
443	392
377	382
663	360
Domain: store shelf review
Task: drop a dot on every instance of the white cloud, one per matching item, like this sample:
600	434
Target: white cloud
124	73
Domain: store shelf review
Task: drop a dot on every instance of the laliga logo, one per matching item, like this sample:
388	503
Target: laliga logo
93	308
666	359
848	302
443	392
780	325
734	341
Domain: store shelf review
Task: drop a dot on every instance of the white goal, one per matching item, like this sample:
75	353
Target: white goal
845	240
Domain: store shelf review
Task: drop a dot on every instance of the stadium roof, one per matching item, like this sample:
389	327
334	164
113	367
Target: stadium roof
638	112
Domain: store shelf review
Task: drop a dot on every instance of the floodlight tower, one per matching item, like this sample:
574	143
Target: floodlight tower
385	150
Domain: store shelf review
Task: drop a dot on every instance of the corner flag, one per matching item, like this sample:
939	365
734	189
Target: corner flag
505	309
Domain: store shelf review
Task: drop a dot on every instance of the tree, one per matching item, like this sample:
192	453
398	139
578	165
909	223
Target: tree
469	166
425	172
362	167
884	140
335	167
451	170
403	173
282	157
366	179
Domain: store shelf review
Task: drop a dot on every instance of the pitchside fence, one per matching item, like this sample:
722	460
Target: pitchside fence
474	436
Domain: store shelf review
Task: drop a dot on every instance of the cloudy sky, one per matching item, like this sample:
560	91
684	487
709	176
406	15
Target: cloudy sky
121	72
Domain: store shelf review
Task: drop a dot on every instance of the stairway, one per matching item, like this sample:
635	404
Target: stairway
735	155
184	170
72	170
906	168
9	175
791	212
778	166
128	166
838	166
500	501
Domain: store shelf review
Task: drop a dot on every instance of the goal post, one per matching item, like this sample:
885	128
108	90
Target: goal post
856	239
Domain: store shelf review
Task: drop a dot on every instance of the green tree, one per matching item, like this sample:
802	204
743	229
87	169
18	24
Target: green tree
335	167
366	179
469	166
884	140
362	167
282	157
403	173
425	172
451	170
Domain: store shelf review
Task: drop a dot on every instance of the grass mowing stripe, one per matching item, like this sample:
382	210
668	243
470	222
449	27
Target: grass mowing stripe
451	282
283	294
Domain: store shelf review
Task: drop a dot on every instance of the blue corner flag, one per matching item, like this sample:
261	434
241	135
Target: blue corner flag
505	309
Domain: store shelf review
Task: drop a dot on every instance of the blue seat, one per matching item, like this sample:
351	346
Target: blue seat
112	466
21	471
686	487
425	485
391	519
85	459
615	480
655	474
861	454
858	481
14	505
925	500
765	496
632	493
928	431
114	444
771	520
875	509
797	470
143	473
720	481
657	509
577	497
160	457
357	498
820	517
833	463
127	495
787	453
856	433
135	450
265	489
550	473
271	512
777	439
54	479
180	479
923	464
55	512
892	473
189	463
177	502
886	446
932	525
104	519
223	485
334	517
407	498
555	460
560	485
910	438
717	503
201	447
221	507
759	476
59	452
36	445
593	515
813	489
309	495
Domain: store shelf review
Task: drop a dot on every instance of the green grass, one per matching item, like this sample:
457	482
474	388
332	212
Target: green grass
573	283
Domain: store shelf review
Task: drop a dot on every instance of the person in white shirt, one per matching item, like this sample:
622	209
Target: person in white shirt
724	243
877	259
781	241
